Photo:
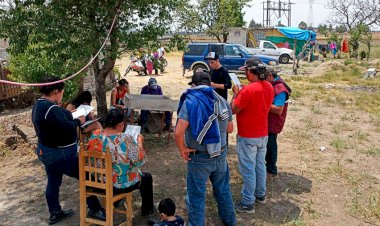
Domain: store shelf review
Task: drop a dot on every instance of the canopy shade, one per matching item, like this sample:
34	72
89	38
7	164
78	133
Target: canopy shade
297	33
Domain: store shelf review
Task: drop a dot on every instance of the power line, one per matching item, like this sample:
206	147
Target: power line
274	12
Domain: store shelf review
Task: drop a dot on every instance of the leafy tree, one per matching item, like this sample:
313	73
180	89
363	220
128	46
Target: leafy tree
302	25
366	38
323	29
214	17
341	29
58	36
253	24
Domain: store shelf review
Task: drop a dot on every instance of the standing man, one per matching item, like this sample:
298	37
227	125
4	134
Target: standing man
276	119
251	106
220	78
204	119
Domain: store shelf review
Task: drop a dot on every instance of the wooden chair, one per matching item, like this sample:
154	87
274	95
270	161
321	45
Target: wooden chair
95	173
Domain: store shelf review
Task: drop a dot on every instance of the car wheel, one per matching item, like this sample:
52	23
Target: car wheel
199	67
284	59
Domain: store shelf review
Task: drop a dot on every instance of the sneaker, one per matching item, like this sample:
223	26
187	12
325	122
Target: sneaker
54	218
261	200
100	214
244	208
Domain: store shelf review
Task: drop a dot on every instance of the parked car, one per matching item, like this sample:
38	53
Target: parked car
231	56
269	49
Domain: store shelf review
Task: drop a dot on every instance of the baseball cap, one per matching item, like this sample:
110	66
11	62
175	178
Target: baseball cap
152	83
212	56
252	63
200	78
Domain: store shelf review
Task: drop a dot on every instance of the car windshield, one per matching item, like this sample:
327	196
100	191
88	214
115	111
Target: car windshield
245	50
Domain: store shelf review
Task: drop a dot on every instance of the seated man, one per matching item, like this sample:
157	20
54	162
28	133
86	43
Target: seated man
127	158
153	89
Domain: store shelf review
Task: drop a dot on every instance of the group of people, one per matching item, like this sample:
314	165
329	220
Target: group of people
201	135
152	88
152	60
204	121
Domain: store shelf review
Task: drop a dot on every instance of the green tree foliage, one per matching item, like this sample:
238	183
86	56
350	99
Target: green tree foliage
302	25
360	33
253	24
57	37
323	29
214	17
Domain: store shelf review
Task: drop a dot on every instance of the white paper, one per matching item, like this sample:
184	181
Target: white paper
82	110
235	79
133	131
89	122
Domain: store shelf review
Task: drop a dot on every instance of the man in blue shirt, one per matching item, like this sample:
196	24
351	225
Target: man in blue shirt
205	150
153	89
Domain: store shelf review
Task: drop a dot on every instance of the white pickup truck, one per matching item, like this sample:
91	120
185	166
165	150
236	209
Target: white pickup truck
270	49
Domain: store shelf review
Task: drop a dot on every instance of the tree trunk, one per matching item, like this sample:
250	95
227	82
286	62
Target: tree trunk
102	73
225	37
369	50
100	80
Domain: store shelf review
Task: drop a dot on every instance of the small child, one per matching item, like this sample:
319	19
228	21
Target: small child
167	213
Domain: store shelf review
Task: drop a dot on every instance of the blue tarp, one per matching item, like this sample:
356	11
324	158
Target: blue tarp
297	33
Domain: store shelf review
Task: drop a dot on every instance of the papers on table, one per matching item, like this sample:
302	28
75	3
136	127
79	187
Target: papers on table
133	131
235	79
82	110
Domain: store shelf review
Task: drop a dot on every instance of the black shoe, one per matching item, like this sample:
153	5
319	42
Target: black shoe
54	218
261	200
100	214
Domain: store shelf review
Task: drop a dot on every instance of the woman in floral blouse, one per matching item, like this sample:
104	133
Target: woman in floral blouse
127	158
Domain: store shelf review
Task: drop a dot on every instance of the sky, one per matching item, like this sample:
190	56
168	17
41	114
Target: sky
299	12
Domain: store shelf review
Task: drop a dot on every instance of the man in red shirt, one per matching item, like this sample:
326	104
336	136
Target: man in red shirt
251	105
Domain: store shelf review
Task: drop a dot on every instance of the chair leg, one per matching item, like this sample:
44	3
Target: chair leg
129	209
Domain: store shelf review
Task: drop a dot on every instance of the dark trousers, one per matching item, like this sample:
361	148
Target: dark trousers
271	156
146	190
59	162
144	117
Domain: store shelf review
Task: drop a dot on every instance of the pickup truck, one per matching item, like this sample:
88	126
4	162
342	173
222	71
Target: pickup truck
269	49
231	56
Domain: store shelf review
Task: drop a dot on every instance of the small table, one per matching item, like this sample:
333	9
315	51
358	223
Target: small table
152	103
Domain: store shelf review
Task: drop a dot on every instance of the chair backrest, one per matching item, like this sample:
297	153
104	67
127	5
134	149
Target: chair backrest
95	169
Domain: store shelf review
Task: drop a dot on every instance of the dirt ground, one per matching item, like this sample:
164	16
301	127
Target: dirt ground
337	186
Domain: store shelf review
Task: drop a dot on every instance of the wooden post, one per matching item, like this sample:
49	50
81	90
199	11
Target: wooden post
295	57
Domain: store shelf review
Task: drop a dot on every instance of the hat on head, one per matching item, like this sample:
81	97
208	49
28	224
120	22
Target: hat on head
200	78
252	63
152	83
212	56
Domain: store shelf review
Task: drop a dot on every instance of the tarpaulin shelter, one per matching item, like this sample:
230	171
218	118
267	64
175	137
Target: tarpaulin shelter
292	35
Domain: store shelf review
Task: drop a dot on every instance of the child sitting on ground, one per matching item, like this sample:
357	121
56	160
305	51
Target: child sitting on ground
167	213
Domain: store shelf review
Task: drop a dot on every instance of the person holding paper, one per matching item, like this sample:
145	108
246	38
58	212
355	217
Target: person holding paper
57	147
84	98
127	158
118	93
220	79
251	105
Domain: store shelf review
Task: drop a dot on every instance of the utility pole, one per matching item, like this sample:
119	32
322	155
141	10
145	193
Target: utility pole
274	11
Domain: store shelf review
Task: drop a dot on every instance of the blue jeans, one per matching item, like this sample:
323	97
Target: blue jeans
60	161
251	157
199	169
